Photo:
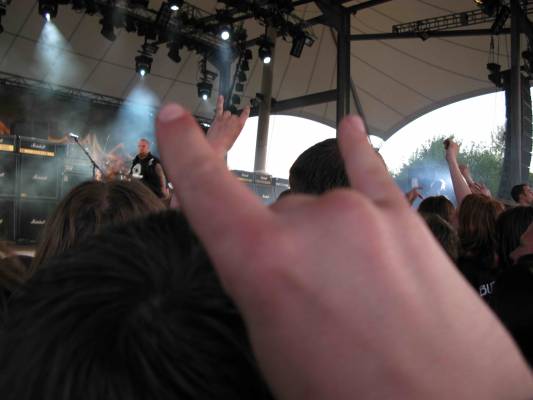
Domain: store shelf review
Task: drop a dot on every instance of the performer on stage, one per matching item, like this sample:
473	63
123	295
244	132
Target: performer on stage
148	169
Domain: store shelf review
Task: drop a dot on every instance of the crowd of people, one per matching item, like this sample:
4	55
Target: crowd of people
339	290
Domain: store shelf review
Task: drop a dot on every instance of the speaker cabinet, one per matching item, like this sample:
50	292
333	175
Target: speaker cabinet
38	177
7	219
263	187
245	177
280	185
8	173
31	219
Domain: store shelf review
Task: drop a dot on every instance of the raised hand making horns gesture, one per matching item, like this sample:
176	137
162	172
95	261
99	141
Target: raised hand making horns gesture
345	295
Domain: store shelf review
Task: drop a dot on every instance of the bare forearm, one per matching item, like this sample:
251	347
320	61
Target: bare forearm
460	186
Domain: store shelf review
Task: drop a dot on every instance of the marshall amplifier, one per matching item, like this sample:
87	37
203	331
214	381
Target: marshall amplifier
31	218
38	177
7	220
280	185
8	166
37	147
245	177
263	187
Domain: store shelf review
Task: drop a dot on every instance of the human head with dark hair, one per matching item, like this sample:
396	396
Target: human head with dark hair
510	226
522	194
88	208
135	313
477	229
318	169
438	205
444	233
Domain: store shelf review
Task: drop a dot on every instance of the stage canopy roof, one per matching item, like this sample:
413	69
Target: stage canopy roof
395	80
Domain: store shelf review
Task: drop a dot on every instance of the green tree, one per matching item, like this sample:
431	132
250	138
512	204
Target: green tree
485	162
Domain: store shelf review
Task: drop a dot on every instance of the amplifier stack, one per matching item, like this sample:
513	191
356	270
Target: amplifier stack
263	185
32	174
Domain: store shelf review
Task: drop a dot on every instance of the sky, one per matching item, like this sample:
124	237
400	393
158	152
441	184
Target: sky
470	121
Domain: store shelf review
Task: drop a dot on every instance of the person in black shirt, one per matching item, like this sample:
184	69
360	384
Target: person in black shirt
147	168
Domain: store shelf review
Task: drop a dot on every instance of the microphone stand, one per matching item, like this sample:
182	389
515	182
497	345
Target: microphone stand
95	166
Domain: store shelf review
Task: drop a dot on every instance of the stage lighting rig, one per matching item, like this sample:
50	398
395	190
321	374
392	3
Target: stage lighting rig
495	74
48	9
108	23
265	50
175	5
489	7
143	62
205	85
174	51
204	90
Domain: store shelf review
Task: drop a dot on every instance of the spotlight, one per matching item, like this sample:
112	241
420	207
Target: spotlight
239	87
265	54
225	32
500	20
489	7
175	5
48	9
143	64
108	28
495	74
298	43
174	53
204	90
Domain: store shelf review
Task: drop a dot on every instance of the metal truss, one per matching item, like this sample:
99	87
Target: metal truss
16	81
451	21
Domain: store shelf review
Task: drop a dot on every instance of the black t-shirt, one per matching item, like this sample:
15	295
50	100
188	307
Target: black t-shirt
145	170
480	276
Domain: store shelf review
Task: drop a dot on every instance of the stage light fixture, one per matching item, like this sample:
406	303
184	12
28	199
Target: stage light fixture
248	55
245	66
495	74
489	7
501	18
143	64
48	9
241	76
204	90
174	52
225	32
175	5
265	54
108	28
239	87
298	43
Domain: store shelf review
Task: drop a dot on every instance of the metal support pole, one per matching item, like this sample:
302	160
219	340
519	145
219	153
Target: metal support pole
515	95
343	67
265	107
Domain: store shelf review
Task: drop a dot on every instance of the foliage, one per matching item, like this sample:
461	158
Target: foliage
485	162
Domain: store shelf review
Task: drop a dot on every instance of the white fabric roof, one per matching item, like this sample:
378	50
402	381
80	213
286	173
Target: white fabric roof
396	80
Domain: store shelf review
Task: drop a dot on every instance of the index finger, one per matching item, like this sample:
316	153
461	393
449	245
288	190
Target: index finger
216	204
244	115
366	172
220	106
